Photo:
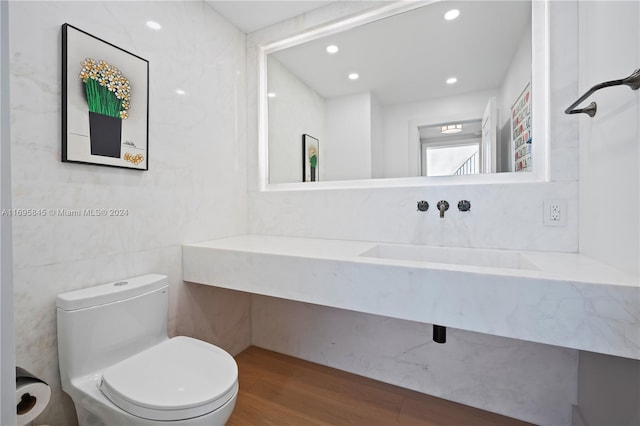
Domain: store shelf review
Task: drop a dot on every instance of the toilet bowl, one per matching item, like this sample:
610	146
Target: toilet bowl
120	368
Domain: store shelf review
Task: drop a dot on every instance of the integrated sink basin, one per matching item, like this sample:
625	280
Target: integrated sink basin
561	299
451	255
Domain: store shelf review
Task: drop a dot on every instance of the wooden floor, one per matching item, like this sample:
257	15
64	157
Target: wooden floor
279	390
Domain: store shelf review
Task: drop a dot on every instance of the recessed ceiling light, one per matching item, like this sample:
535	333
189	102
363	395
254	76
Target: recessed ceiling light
452	14
452	80
353	76
180	92
271	94
332	49
153	25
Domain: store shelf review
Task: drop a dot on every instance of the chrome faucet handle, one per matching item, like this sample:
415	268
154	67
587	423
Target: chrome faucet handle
423	206
443	206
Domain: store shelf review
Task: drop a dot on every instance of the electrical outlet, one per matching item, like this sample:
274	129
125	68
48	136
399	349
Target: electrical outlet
555	213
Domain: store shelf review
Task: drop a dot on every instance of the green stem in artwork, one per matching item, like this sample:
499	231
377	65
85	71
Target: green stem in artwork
100	100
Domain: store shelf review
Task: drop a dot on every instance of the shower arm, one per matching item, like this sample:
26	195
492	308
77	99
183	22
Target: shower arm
632	81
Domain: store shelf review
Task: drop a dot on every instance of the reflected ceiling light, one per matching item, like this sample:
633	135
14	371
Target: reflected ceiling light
153	25
332	49
452	80
452	14
180	92
451	129
271	94
353	76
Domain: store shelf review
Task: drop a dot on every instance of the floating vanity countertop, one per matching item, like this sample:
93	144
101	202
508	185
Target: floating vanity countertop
561	299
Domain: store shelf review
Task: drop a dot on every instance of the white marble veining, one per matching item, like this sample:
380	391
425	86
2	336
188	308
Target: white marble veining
195	186
561	299
529	381
609	178
196	190
503	215
500	217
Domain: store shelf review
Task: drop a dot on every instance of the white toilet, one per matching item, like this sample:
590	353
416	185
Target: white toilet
120	368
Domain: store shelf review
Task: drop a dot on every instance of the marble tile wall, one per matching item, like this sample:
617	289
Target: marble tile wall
609	175
195	188
511	215
499	217
529	381
200	147
502	216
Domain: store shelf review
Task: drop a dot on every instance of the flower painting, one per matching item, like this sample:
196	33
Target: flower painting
310	155
102	124
107	90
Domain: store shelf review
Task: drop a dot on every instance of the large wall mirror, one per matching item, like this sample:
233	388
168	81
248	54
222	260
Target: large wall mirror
443	89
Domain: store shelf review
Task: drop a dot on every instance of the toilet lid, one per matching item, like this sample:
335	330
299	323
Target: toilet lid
178	379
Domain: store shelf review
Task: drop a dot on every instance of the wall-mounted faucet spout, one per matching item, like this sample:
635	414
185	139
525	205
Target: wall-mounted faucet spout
443	206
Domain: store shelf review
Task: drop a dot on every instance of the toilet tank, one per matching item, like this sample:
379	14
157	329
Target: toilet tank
99	326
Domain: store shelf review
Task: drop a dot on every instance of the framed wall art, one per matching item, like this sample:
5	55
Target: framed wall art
105	103
310	156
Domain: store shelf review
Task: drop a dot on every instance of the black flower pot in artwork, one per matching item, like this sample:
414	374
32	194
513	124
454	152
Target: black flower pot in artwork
105	133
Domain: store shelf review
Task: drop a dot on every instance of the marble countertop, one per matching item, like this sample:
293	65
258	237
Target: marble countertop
563	299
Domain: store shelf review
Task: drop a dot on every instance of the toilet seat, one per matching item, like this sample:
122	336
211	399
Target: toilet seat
178	379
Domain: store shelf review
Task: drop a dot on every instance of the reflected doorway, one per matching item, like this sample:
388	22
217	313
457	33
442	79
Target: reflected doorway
451	149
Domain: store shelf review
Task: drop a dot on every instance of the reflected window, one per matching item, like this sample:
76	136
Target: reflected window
451	160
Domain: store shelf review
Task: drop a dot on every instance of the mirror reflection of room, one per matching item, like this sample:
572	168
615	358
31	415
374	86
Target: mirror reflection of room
414	94
451	149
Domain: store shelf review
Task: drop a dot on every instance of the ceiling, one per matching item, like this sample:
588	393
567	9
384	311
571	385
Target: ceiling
408	57
471	129
250	16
